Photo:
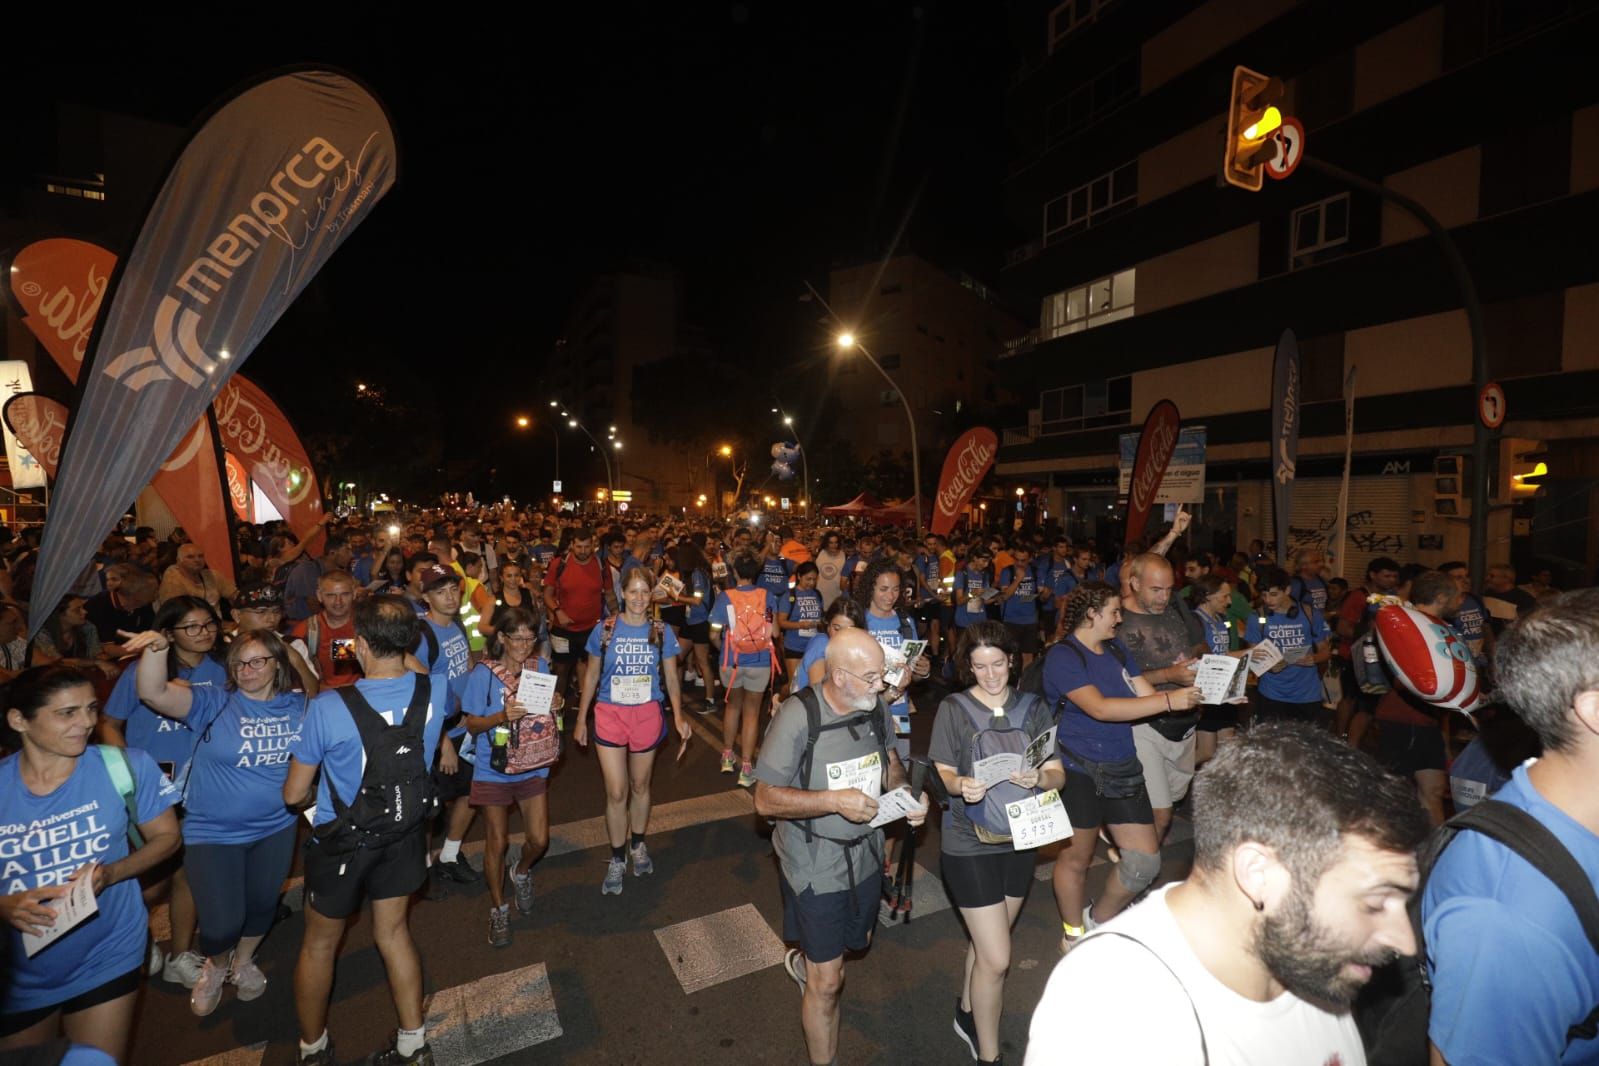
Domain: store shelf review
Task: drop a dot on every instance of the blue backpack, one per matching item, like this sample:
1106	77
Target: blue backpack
993	735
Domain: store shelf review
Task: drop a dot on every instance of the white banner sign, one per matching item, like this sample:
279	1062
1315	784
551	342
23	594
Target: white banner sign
1184	481
26	473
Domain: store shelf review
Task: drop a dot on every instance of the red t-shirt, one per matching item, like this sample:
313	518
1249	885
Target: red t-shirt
577	590
335	650
1399	706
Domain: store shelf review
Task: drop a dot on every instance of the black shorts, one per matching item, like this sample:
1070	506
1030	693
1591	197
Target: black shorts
674	616
825	926
1270	710
576	641
1025	634
335	884
698	632
1218	716
987	879
1407	749
926	613
115	988
453	786
1086	808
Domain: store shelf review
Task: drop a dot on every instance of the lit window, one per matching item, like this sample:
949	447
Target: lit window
1107	299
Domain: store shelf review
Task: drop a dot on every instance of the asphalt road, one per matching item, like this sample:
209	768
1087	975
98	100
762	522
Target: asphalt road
683	966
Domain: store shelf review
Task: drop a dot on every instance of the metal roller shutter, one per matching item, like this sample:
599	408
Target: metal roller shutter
1379	519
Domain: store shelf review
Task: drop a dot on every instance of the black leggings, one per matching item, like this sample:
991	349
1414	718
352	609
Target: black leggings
236	887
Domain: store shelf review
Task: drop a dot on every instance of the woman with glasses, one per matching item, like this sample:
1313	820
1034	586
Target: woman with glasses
191	627
238	837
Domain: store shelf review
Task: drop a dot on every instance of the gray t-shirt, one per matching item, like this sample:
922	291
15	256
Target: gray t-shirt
1158	640
819	864
953	731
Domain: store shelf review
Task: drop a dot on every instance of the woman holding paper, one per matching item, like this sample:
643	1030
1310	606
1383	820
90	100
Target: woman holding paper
84	984
1218	723
987	880
513	750
629	658
799	616
1100	690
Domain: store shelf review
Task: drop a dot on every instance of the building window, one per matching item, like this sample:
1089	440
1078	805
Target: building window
1107	299
1087	406
75	191
1092	101
1072	16
1091	202
889	361
1318	232
887	397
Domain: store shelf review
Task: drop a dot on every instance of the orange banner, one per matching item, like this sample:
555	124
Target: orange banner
259	434
238	487
964	469
39	423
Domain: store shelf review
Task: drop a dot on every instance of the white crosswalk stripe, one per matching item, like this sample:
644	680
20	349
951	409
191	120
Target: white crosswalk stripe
719	947
492	1017
239	1056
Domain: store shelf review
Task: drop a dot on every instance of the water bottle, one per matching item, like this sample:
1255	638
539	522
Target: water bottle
499	753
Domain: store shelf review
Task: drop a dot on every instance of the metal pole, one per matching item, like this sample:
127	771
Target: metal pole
1481	436
805	463
916	461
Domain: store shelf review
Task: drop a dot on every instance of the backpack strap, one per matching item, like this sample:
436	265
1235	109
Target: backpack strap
1204	1048
813	730
313	633
121	774
430	639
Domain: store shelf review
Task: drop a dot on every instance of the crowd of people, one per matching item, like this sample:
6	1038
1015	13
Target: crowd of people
353	683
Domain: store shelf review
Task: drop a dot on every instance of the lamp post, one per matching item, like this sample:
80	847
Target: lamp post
846	341
525	422
805	464
610	483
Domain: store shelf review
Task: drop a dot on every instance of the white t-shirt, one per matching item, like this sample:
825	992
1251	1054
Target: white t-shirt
1141	1015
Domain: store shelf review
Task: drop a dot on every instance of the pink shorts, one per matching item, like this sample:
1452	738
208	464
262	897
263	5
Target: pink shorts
639	728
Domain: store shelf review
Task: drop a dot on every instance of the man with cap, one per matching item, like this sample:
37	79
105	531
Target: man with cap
259	606
444	652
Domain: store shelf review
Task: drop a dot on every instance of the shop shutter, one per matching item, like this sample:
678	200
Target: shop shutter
1379	520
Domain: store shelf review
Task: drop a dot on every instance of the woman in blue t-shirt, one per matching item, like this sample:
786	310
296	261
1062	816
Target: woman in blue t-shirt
695	634
843	613
85	984
238	837
799	616
878	594
1218	723
1100	691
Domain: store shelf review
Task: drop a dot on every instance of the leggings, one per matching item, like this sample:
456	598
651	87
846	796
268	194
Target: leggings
236	887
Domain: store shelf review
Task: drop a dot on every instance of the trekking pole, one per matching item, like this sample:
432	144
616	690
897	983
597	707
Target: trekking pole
905	876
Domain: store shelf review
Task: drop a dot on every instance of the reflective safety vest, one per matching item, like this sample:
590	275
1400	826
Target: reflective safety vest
469	614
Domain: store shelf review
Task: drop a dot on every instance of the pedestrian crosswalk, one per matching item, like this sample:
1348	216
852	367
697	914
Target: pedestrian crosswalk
493	1017
719	947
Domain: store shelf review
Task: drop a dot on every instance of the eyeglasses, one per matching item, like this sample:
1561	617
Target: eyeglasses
869	680
194	629
257	663
519	640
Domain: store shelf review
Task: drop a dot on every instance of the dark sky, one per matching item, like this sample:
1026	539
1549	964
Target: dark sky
750	145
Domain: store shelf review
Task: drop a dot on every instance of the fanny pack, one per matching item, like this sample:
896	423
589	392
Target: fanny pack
1122	779
1175	726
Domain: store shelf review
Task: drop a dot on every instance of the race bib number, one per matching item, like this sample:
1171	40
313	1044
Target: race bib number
974	605
807	633
865	774
630	691
718	569
1037	820
560	645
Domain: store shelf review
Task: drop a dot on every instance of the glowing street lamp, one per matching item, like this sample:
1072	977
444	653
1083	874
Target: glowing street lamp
522	421
846	341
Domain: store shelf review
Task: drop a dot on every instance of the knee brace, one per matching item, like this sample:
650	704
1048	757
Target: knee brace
1138	870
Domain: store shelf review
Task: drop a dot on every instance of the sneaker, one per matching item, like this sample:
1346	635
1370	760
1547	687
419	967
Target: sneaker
183	969
727	761
794	966
433	889
1089	925
153	965
699	682
248	979
966	1028
523	884
746	776
642	863
500	926
459	870
390	1056
614	870
208	988
319	1058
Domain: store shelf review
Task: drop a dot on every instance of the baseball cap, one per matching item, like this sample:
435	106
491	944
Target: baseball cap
258	596
436	575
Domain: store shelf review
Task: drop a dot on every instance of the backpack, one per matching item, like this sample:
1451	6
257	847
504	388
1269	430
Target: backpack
396	794
534	742
872	720
121	774
749	622
988	814
1393	1010
1365	658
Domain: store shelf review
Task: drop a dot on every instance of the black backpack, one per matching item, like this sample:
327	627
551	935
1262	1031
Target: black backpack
1393	1009
396	795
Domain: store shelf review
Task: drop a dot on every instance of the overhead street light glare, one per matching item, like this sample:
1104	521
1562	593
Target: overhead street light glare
846	340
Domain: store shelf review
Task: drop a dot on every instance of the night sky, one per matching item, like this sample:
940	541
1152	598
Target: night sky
750	145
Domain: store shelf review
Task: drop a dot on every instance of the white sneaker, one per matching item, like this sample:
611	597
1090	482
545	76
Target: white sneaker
153	966
208	988
183	969
248	979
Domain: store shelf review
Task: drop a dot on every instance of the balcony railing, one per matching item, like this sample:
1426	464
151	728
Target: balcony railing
1017	345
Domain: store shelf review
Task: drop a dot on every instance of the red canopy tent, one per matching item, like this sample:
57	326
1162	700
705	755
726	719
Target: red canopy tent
863	506
899	514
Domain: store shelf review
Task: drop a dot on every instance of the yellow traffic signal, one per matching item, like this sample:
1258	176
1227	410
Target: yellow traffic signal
1523	468
1252	118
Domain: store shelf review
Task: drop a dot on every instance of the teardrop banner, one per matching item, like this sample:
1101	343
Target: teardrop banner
59	283
1284	436
238	487
259	434
965	467
40	424
1157	441
267	188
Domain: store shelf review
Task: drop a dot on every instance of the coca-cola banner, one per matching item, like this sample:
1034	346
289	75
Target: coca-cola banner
259	435
238	487
1284	435
964	469
40	424
1156	443
58	283
265	191
26	473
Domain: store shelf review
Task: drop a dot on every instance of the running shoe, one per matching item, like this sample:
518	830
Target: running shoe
523	884
966	1028
614	871
319	1058
153	964
208	988
183	969
1089	925
642	863
746	776
794	966
728	765
500	926
459	870
248	979
390	1056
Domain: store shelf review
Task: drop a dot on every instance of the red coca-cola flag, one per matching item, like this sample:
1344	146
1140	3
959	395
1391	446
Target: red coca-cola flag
1156	443
238	487
964	469
256	432
59	283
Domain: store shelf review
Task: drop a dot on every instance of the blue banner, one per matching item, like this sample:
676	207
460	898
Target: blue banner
1285	393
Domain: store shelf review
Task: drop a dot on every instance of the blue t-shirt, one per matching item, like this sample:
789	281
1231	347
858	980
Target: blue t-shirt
927	589
43	839
699	581
1113	575
1312	591
361	569
542	553
1065	671
1295	634
721	617
1511	967
972	582
1218	641
815	652
485	695
1471	623
234	793
449	667
629	654
802	605
1474	776
775	572
166	740
1021	607
1057	577
329	738
889	633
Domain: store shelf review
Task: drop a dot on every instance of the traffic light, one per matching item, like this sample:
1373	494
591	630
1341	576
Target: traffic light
1523	468
1252	118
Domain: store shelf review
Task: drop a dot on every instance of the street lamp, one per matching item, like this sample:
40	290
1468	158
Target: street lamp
610	482
846	341
522	421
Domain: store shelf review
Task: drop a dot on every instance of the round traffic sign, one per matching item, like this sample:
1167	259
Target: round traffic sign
1491	405
1290	149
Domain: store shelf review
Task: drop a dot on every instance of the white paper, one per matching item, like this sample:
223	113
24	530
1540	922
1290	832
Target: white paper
864	773
996	768
668	588
1263	657
892	806
1220	679
536	692
560	645
1041	750
310	815
70	909
1037	820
